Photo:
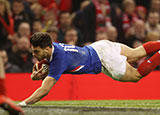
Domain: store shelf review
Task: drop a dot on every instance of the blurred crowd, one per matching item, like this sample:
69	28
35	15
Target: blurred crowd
75	22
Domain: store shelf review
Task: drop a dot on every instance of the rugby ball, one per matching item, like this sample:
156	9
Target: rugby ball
44	64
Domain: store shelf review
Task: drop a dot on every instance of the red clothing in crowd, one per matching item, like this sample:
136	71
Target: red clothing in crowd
9	27
128	20
50	5
47	3
65	5
102	20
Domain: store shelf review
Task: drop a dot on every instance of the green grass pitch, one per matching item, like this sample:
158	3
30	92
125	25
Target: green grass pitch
91	107
150	104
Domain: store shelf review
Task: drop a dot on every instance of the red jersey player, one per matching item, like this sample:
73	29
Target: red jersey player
6	103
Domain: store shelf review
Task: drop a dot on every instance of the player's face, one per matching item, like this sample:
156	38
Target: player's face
39	53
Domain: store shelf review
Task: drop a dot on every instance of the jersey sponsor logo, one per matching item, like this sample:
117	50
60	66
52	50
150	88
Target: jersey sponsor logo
77	68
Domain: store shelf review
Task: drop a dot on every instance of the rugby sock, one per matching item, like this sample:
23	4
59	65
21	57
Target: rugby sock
2	87
151	47
148	65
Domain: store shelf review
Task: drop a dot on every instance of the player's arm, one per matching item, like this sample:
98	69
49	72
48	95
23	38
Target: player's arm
46	86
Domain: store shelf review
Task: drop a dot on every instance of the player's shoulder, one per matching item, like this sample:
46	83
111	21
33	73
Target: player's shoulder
59	45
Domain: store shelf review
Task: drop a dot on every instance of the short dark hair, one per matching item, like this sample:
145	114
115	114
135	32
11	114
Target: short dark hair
41	39
64	12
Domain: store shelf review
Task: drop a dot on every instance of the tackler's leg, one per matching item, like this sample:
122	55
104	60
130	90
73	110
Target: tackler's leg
8	105
5	102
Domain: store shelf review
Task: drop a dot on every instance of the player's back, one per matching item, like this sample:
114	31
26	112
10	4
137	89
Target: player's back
76	60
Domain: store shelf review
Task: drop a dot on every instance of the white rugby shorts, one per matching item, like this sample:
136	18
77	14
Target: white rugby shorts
113	63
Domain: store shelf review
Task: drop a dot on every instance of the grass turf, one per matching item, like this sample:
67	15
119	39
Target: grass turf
150	104
91	107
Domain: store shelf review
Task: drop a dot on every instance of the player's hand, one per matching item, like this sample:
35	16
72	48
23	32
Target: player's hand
38	75
23	103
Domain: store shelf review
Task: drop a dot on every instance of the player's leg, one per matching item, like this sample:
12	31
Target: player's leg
2	78
134	54
131	74
5	102
149	65
8	105
134	75
113	57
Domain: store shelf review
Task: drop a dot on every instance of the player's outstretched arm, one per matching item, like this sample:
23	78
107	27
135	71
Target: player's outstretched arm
47	84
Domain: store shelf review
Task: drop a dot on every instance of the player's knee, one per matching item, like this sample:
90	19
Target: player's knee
130	78
135	80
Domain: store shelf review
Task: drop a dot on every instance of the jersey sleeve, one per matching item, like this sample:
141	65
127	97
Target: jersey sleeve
56	68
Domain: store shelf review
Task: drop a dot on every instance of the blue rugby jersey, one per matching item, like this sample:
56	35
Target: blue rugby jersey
74	60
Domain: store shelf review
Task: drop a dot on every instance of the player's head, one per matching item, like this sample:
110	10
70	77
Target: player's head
41	45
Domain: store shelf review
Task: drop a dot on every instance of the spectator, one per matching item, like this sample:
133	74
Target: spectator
102	8
6	24
77	16
50	11
116	10
23	31
84	4
101	35
37	10
141	12
129	15
152	36
22	57
65	23
153	22
155	6
138	33
112	33
76	4
19	13
9	67
139	30
71	36
37	26
95	15
53	31
48	4
143	3
49	19
65	5
117	17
